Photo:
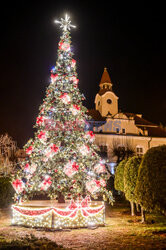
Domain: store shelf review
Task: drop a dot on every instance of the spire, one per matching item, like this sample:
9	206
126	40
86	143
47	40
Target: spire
105	77
105	83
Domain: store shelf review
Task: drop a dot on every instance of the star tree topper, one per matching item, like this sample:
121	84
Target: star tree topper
65	24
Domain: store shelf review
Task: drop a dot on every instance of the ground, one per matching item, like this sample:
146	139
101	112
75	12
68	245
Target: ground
122	231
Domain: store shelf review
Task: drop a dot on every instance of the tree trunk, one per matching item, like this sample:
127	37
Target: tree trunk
132	208
142	215
137	207
61	198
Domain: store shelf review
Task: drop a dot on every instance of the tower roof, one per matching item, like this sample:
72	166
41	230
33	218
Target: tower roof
105	77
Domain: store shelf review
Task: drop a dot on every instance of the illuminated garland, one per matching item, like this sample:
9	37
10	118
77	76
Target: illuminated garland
31	212
75	215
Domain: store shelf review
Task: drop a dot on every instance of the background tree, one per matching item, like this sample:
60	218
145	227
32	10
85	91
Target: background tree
119	176
129	149
122	152
8	148
6	192
150	188
130	179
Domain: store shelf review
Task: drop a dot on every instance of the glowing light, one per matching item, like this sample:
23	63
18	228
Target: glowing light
65	24
73	216
65	98
84	149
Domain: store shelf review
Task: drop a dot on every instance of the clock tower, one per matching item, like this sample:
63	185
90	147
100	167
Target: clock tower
106	102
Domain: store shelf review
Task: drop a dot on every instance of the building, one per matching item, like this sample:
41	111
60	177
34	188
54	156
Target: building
120	130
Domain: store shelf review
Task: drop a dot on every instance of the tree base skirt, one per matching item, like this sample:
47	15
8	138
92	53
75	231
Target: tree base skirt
50	214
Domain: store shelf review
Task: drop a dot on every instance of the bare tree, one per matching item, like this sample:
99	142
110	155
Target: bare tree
122	151
8	148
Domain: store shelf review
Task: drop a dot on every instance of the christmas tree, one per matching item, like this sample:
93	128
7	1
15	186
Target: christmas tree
62	158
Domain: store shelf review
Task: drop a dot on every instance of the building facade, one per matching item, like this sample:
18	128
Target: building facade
118	130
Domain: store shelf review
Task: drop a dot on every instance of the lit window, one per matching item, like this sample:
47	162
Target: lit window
139	150
111	166
117	130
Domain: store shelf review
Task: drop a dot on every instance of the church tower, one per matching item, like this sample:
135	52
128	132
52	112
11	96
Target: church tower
106	102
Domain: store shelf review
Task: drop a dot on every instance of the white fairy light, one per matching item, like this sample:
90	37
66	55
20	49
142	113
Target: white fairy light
65	24
90	173
54	218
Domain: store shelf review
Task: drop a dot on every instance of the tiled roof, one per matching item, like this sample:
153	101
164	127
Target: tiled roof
139	120
105	77
156	132
153	129
95	114
103	91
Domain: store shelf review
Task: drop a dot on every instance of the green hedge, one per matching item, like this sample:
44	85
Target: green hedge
150	189
130	177
6	192
119	181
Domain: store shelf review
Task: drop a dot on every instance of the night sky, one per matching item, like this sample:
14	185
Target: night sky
127	39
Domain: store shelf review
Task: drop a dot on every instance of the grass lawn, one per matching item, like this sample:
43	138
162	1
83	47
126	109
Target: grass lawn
122	231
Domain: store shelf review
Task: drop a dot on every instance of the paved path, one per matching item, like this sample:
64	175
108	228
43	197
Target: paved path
121	232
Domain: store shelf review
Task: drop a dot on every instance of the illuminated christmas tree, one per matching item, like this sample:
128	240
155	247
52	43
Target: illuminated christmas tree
62	158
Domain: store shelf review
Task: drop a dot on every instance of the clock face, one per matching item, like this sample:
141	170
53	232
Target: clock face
109	101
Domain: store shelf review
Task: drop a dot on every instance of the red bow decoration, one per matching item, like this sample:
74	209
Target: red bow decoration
75	167
71	169
65	98
54	148
54	77
18	185
75	80
29	150
39	120
98	183
76	107
73	63
64	46
26	168
46	183
42	135
91	134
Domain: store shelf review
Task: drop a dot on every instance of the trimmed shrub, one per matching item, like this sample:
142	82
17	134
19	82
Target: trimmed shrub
6	192
150	189
130	177
119	182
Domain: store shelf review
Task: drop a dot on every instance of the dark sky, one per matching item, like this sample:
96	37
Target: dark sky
127	39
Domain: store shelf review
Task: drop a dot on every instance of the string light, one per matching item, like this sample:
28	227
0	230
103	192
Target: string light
61	149
51	217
